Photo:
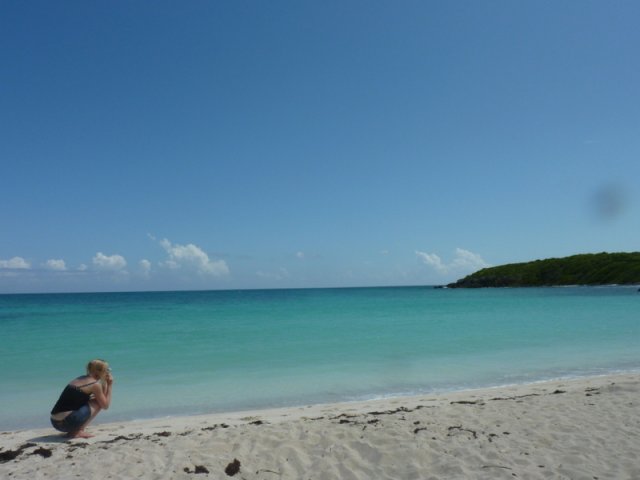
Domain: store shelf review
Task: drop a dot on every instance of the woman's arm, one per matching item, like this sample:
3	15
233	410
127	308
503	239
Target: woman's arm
102	392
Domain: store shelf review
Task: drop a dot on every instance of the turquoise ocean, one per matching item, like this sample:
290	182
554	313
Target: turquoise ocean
183	353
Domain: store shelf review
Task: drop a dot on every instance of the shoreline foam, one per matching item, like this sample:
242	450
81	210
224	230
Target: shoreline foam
582	428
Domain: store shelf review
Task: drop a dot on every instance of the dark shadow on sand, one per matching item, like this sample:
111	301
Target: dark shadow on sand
55	438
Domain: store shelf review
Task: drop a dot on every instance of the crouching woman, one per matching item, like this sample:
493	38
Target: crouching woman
82	399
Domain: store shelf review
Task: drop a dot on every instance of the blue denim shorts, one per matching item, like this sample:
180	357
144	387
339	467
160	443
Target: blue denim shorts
73	421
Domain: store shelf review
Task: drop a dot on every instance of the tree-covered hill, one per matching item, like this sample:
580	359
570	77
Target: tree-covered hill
585	269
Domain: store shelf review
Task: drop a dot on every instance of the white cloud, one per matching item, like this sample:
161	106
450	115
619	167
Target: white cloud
82	267
193	257
468	260
300	255
432	260
112	263
170	264
463	262
15	262
56	264
145	266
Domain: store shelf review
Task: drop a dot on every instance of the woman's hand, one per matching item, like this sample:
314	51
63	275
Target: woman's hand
109	379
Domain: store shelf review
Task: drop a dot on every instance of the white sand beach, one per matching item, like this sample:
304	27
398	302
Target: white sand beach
570	429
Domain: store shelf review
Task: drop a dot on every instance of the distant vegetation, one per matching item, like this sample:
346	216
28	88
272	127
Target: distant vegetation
586	269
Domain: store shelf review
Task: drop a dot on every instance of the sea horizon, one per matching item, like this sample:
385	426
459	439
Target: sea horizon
348	287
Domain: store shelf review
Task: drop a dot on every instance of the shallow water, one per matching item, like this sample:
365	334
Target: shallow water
196	352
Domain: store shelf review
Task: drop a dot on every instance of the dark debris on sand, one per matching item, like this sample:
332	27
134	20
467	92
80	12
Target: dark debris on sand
397	410
222	425
468	402
9	455
43	452
197	469
233	468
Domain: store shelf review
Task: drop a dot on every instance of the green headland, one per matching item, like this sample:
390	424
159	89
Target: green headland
584	269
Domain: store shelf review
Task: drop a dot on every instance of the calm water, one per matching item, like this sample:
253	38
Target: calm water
195	352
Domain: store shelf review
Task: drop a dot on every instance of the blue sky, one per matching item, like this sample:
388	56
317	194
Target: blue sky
235	144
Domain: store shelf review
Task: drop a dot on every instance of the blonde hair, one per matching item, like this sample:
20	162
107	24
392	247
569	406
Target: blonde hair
97	368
